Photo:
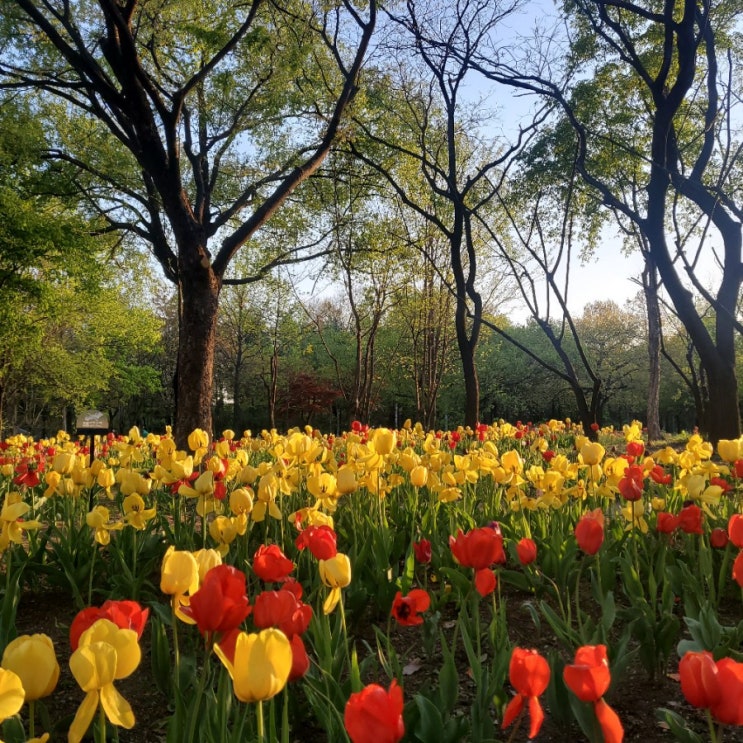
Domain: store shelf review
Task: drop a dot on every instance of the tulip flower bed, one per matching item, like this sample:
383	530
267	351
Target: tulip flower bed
496	584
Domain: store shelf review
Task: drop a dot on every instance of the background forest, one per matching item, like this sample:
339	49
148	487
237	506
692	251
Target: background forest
412	257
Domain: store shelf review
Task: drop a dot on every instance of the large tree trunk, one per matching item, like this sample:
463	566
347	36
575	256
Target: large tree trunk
197	333
721	418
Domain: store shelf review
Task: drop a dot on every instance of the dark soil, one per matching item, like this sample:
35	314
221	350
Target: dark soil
635	699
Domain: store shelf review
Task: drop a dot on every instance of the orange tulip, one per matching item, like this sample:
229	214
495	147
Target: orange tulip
728	708
700	683
589	678
529	674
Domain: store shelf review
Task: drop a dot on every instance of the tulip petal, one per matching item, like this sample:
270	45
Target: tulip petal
536	714
512	710
117	709
608	719
331	601
11	694
83	717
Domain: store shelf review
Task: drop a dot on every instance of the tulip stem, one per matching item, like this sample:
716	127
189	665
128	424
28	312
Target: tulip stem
90	577
259	722
577	600
519	719
712	732
176	649
32	718
134	562
199	694
100	732
285	716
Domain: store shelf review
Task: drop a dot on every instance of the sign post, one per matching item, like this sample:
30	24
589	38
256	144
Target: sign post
92	423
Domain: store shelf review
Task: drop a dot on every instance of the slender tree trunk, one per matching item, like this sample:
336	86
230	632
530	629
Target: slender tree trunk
237	422
652	307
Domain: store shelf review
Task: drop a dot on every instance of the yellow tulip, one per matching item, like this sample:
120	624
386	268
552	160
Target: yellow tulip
11	694
98	520
730	450
106	478
12	523
322	485
198	439
241	501
105	653
203	486
206	560
384	440
131	481
135	513
261	664
346	480
63	463
419	476
223	530
592	452
335	573
179	573
32	659
52	480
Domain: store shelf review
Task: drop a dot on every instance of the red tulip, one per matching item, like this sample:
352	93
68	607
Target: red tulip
728	709
422	551
635	448
589	531
270	564
666	523
221	603
281	609
721	482
718	538
293	586
526	549
699	679
659	475
124	614
690	519
479	548
738	466
406	609
320	540
735	529
374	715
82	621
632	483
300	659
485	581
738	569
529	674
